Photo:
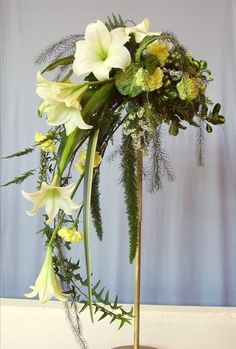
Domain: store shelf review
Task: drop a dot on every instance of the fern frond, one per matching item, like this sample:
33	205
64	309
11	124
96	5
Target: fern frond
58	49
72	314
20	153
160	165
200	142
19	179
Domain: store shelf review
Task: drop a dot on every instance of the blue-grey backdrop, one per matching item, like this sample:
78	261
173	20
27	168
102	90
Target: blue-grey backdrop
189	238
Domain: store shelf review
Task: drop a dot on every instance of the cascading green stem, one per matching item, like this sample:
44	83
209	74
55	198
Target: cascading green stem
88	180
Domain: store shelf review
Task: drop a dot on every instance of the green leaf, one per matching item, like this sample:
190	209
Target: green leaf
88	179
216	108
125	81
20	153
103	316
98	99
209	128
62	61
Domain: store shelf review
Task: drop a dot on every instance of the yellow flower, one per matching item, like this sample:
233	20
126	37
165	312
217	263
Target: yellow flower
160	51
70	234
44	143
82	158
188	88
47	285
149	82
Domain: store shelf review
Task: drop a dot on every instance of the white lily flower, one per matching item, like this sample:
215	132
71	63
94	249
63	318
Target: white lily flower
61	103
54	198
141	30
101	51
47	285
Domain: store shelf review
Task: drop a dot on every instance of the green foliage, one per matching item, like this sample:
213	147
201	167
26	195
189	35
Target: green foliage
20	179
44	169
200	141
129	182
72	314
69	274
96	207
20	153
62	61
125	81
115	21
214	117
159	165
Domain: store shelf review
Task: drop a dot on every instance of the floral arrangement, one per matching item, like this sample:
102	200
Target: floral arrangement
124	77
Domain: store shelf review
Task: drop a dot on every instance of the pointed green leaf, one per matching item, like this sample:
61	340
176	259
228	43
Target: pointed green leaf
58	62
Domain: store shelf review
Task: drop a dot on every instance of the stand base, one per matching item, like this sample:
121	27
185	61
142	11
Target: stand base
132	347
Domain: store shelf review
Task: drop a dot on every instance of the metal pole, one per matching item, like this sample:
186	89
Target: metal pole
137	281
137	275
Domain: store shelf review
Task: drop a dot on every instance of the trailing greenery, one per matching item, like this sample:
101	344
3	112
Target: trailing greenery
20	153
159	163
128	180
69	274
20	179
96	207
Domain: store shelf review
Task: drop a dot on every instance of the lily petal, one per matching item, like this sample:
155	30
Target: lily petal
119	57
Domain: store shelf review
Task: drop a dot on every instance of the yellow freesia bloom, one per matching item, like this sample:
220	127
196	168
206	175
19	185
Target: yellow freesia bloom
82	158
44	143
47	285
160	51
61	103
54	198
149	82
70	234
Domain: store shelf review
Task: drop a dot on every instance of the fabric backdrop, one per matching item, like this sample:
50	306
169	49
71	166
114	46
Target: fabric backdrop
189	235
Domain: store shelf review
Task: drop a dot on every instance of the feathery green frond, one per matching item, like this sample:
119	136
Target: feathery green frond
96	207
20	153
159	163
128	180
19	179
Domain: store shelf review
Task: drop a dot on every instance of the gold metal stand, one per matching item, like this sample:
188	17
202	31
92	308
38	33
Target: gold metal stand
137	283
